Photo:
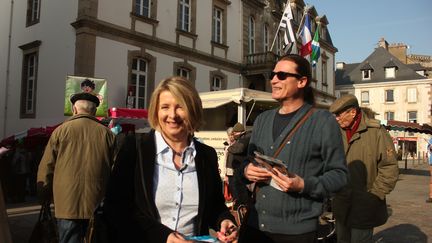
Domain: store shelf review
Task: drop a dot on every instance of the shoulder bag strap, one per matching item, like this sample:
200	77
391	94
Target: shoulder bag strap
285	141
291	133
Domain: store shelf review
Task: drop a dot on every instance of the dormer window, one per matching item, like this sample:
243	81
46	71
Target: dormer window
367	71
390	69
421	72
390	72
366	74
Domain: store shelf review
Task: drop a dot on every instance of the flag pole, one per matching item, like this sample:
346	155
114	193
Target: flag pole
274	39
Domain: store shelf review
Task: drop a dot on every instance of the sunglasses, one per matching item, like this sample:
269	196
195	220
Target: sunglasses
284	75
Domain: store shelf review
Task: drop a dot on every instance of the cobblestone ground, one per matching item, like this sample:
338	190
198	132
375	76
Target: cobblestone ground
411	216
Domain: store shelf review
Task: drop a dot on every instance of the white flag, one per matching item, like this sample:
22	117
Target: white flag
285	24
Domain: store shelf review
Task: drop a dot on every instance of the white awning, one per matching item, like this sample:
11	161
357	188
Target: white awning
215	99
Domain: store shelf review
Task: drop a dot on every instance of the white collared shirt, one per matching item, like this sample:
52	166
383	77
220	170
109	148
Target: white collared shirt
176	191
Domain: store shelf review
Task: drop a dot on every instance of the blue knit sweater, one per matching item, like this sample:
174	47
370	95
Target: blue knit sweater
316	154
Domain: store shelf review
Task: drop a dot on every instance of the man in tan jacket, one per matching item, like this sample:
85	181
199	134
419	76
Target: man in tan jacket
373	170
76	165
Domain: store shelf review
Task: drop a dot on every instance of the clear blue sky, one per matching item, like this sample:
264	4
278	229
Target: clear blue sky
357	26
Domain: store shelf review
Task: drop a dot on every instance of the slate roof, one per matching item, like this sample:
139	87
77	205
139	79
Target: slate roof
416	67
390	64
378	60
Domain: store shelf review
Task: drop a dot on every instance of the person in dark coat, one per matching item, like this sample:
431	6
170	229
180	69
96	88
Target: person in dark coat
165	185
237	153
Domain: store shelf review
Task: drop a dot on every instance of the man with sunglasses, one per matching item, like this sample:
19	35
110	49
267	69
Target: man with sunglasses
373	169
288	205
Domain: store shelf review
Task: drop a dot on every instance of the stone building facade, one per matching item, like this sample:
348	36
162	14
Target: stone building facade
216	44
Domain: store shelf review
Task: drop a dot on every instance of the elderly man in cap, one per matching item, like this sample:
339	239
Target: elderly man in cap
373	169
75	166
237	153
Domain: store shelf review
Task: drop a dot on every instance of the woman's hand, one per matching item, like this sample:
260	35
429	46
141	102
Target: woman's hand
292	183
256	173
228	232
176	237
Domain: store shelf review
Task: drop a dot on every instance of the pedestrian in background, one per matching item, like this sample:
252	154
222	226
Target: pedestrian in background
287	209
237	154
429	151
76	166
229	172
373	170
165	186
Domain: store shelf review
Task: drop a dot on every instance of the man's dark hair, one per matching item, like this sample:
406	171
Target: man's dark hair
87	82
304	69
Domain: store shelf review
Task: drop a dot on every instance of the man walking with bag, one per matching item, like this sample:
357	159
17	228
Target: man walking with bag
76	166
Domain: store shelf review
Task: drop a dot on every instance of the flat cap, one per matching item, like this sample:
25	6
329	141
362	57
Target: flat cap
343	103
85	96
238	127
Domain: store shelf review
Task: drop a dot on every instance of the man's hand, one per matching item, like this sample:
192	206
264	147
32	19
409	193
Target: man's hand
292	183
44	193
256	173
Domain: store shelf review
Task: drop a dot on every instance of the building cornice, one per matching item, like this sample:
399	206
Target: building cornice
392	84
254	3
104	29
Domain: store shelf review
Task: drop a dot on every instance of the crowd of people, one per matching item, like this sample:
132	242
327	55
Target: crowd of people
164	186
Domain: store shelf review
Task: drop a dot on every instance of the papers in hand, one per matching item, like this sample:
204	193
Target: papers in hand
270	163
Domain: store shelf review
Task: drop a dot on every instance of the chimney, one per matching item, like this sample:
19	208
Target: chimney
340	65
383	43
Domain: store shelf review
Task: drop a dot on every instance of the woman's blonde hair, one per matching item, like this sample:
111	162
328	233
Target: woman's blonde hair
186	95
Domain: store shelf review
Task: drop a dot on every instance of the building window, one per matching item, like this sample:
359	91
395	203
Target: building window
412	116
390	72
365	97
412	95
389	95
266	38
29	82
421	72
217	25
142	8
184	69
217	80
323	33
29	79
33	12
366	74
251	36
183	72
184	16
216	83
138	82
389	115
324	71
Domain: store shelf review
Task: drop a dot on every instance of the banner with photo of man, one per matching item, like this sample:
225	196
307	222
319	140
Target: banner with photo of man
95	86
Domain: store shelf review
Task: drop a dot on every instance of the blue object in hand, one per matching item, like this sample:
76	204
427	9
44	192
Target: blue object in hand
202	238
